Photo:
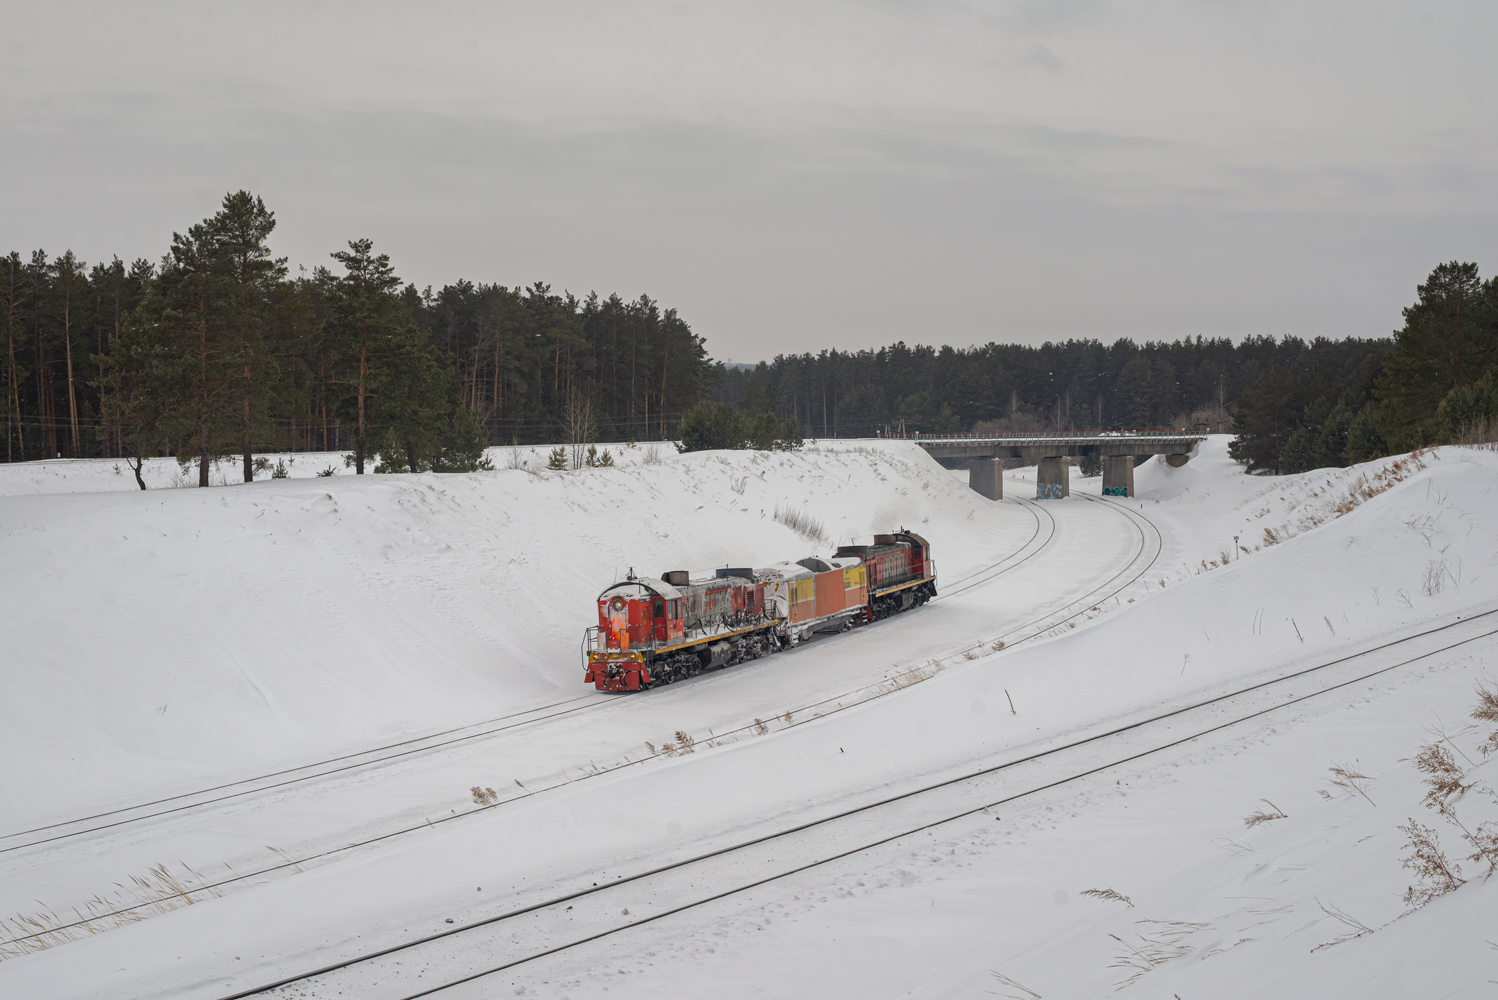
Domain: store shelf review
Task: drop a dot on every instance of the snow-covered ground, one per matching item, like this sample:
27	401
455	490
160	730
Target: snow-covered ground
352	709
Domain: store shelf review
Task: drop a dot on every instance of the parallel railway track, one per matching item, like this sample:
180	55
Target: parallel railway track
1037	544
574	919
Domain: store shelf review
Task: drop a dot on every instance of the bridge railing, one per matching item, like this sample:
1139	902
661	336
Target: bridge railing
1046	437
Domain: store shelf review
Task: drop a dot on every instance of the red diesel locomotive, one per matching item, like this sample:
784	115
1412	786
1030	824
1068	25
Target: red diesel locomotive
653	632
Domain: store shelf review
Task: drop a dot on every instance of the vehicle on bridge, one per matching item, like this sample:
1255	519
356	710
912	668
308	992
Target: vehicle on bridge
653	632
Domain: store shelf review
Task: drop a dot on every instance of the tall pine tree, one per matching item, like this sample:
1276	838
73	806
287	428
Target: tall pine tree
255	303
369	340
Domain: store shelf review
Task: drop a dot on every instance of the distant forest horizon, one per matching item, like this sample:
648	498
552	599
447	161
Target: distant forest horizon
229	353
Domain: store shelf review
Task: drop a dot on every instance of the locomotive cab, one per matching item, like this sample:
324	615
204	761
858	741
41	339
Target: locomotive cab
636	613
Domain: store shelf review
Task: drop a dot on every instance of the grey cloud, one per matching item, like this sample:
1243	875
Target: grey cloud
800	221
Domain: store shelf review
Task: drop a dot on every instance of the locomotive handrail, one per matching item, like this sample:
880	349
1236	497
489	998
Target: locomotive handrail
589	635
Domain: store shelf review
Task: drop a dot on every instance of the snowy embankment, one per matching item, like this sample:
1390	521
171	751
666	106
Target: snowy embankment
98	475
1333	565
162	638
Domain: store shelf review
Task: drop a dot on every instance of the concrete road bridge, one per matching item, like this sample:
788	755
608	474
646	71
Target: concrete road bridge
1119	452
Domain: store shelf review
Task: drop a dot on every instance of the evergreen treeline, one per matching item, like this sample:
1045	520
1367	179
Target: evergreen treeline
1434	383
217	350
1078	385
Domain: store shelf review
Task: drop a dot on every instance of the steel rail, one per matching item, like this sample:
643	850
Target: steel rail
196	794
903	796
834	699
593	703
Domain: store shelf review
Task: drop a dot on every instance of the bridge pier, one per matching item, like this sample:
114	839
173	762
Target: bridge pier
986	475
1052	479
1118	476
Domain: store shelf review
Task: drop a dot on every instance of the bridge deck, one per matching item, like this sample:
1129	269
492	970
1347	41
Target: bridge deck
1038	446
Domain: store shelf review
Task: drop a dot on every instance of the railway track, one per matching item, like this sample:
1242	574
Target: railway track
405	749
1038	543
569	920
1045	524
230	791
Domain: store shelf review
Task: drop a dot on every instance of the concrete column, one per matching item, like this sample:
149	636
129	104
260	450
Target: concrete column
1118	476
1051	479
986	475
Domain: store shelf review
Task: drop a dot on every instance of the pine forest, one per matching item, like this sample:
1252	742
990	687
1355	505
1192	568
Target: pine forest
218	350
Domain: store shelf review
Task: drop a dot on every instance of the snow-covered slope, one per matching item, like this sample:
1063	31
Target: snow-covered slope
1351	560
164	636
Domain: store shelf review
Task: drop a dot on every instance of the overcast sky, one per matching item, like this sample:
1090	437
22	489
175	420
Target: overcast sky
793	176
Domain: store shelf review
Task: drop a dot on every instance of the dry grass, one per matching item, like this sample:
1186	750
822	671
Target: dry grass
1443	778
484	796
1485	846
906	678
681	743
1258	816
1108	894
1160	945
803	523
1356	926
1437	573
1008	983
1350	780
1435	874
1487	711
160	890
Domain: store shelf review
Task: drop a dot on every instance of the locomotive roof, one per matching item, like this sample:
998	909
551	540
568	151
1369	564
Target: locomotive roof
784	571
869	551
639	588
902	540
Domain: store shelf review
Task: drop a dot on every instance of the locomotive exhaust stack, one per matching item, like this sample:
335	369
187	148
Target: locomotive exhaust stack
651	632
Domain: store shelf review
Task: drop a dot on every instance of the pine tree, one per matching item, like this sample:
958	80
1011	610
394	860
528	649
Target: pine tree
1268	412
12	272
255	298
1449	339
718	426
36	298
383	378
70	288
196	299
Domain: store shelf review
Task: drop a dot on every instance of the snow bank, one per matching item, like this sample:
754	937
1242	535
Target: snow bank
307	615
161	637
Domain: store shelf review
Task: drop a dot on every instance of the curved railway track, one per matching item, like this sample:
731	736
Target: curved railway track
373	756
466	953
1040	540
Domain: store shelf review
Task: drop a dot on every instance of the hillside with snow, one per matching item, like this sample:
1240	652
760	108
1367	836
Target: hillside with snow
1120	752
